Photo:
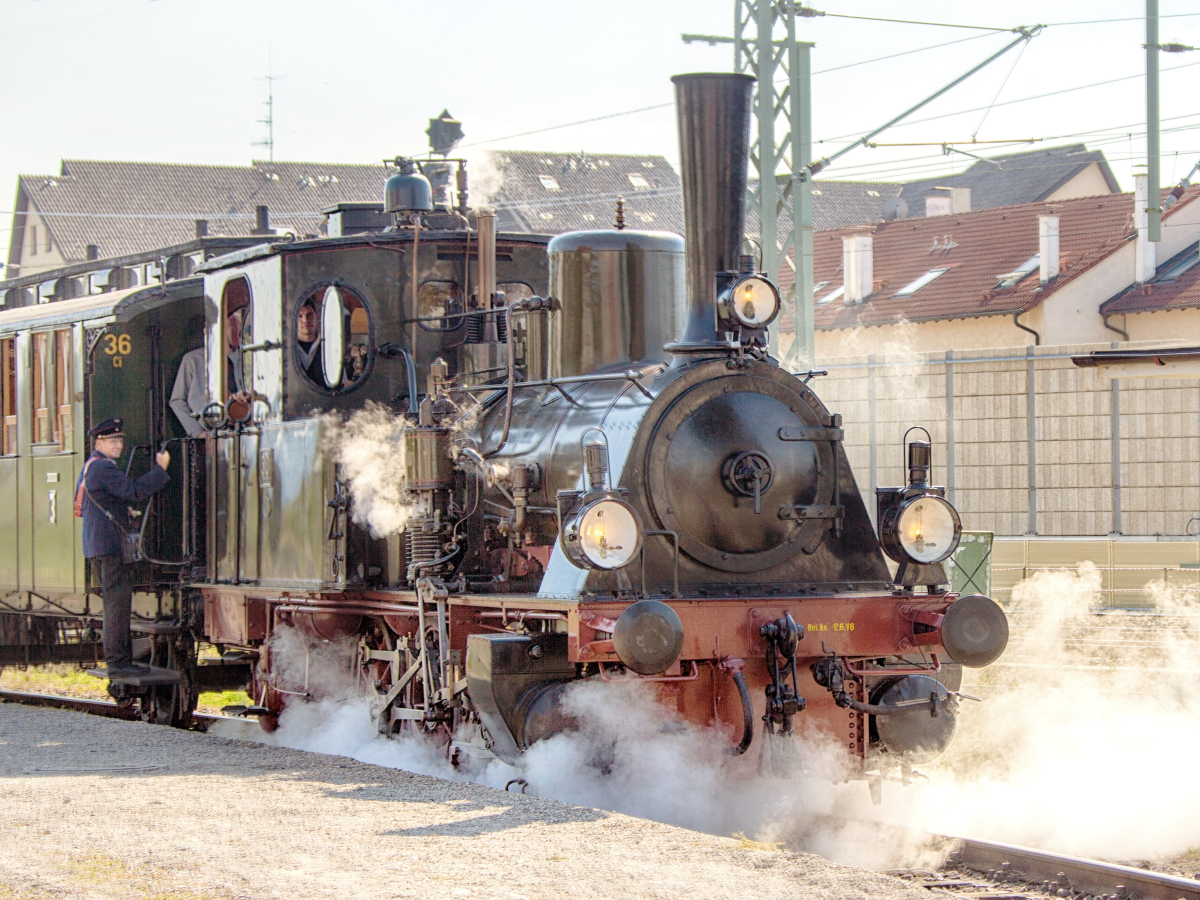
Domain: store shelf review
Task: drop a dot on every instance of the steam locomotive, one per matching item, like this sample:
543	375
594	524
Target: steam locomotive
582	464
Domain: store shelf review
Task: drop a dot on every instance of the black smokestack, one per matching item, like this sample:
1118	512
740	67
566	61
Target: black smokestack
714	153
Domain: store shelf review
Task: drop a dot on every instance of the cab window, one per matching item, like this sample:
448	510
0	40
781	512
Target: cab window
436	299
334	338
235	333
514	290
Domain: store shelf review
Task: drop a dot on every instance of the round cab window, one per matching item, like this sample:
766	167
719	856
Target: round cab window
334	344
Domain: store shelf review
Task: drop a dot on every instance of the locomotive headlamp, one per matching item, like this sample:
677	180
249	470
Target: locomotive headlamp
928	529
603	534
597	528
751	301
918	527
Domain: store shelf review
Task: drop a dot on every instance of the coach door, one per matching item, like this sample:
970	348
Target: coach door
52	382
9	447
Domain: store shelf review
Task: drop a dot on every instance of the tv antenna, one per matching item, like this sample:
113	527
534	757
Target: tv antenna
269	121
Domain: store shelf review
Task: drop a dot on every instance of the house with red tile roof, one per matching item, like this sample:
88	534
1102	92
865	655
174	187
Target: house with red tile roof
1165	307
1046	273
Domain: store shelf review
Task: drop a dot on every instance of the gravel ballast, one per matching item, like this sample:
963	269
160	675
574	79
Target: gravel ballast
101	808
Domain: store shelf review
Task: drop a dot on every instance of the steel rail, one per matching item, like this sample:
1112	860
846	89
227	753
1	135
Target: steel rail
1024	864
105	708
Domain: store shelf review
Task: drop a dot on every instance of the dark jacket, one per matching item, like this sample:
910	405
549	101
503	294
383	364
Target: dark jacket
114	490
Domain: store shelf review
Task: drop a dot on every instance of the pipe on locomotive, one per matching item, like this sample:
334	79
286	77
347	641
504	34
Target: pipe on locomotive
713	111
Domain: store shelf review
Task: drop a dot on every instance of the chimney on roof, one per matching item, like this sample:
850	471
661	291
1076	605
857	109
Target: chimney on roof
93	251
1144	256
948	201
1048	247
858	266
201	228
262	220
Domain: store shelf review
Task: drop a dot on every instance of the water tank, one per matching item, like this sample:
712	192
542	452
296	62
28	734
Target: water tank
623	294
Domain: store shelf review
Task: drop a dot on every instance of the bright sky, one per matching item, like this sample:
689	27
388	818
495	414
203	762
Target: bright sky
183	80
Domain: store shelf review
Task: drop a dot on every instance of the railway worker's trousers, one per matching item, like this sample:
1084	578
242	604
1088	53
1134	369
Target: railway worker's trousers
116	584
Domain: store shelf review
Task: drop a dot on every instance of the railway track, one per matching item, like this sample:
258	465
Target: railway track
106	708
986	870
975	869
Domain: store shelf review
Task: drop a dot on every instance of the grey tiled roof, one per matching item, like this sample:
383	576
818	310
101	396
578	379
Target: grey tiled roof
837	204
1014	178
129	207
550	193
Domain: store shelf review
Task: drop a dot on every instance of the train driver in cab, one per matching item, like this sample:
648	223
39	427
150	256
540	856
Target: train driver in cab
308	342
102	499
234	382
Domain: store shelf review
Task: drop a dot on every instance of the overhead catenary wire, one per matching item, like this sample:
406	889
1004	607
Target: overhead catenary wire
667	106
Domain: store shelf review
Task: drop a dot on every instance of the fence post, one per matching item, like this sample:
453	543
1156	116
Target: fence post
871	504
1029	370
950	426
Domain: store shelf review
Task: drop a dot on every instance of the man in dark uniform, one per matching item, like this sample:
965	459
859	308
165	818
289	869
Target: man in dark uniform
103	495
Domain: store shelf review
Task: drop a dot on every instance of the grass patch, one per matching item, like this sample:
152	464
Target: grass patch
63	679
214	701
745	843
69	681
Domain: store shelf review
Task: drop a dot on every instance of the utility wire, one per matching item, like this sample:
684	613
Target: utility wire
807	12
960	112
1012	69
659	106
630	112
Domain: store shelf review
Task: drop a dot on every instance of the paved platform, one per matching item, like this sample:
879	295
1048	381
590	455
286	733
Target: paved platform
102	808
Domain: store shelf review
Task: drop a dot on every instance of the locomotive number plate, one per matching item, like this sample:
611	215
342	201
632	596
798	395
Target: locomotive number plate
825	626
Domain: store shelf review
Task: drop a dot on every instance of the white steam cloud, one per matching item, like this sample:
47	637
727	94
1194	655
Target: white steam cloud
486	178
1082	745
370	449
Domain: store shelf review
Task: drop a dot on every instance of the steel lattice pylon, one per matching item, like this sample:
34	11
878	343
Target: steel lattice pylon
765	46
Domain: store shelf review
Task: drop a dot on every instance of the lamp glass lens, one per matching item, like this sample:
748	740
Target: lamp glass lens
608	534
927	529
754	301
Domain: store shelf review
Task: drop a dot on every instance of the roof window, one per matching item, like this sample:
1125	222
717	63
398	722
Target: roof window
549	183
638	180
1182	266
913	286
1011	279
829	298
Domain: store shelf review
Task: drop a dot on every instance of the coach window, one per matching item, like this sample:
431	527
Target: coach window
334	346
8	395
43	384
436	299
235	333
62	389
